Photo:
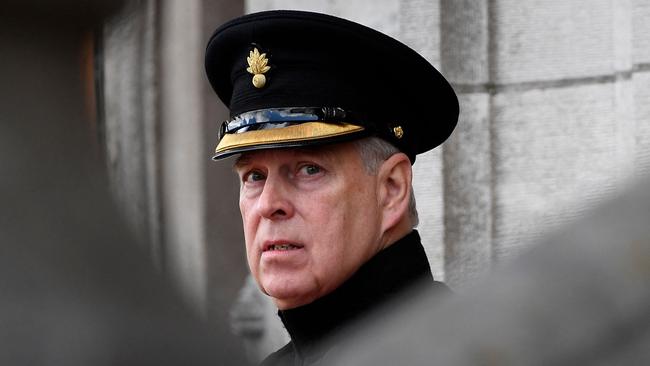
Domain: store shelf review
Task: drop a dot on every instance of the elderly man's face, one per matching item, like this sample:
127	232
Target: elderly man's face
311	219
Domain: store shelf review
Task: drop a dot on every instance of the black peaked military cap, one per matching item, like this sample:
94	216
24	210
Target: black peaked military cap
294	78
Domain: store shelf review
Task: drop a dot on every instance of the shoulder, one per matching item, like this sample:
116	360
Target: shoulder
284	356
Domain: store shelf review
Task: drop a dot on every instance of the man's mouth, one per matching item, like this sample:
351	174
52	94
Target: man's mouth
281	247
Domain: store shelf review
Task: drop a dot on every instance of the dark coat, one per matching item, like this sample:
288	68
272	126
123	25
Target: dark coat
383	279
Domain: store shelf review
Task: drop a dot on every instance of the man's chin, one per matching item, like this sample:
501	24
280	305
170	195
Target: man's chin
288	293
286	299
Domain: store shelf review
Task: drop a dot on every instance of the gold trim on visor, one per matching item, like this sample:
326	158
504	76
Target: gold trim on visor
302	132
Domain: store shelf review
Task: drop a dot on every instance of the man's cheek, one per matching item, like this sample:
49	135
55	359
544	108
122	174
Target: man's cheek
253	263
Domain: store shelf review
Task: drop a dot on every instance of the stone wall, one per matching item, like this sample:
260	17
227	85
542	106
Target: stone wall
129	116
159	121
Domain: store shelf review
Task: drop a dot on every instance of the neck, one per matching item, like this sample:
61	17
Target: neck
396	232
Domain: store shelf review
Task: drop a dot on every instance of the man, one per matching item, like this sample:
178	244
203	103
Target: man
327	117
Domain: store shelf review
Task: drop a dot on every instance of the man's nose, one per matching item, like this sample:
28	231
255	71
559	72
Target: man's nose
275	202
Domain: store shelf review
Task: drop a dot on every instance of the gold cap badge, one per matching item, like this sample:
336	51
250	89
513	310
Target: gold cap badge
398	131
257	65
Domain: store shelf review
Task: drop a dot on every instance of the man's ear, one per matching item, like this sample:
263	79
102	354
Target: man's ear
394	179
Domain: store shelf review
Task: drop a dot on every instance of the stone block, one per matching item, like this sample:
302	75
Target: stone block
464	41
642	110
556	153
181	99
641	31
378	14
548	40
427	184
467	193
252	6
129	118
419	28
382	15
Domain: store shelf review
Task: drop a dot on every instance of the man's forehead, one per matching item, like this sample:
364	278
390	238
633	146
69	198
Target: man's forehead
326	152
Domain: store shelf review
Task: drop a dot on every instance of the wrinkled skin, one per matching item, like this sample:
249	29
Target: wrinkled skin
321	209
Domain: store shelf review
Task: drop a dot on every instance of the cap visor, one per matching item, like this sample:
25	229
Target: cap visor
279	137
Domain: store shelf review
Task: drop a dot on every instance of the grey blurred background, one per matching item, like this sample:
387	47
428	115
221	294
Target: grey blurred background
554	120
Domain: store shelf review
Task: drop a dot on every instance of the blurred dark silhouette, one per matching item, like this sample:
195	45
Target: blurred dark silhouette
580	297
75	288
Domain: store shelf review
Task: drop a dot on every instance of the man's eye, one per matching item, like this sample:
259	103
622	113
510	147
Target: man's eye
310	169
254	177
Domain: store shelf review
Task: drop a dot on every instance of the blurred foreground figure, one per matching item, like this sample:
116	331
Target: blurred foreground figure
581	297
75	288
327	117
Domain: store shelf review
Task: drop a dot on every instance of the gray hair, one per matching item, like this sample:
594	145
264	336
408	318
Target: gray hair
374	151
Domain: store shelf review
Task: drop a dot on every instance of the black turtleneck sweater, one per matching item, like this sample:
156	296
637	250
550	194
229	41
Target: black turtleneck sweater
382	279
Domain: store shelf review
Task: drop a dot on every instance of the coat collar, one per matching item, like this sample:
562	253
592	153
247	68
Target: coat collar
378	281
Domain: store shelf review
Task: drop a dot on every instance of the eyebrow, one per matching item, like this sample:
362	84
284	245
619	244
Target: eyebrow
321	150
241	161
